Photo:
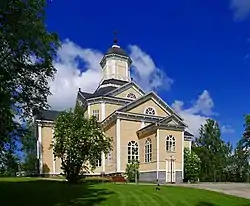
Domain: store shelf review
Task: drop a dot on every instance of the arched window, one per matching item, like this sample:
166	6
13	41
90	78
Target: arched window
133	153
131	96
170	143
98	162
150	111
148	150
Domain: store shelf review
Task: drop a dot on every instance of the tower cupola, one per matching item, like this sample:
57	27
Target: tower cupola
116	63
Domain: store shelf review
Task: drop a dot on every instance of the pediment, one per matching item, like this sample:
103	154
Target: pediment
127	91
151	100
172	121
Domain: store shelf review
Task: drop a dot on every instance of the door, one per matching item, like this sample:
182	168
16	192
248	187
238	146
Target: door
170	171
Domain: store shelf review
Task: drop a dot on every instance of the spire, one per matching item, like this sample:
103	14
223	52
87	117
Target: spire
115	41
115	38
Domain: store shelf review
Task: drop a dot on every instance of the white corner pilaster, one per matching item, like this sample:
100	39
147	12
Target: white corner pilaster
40	148
88	110
103	111
53	156
157	154
118	145
182	147
102	118
113	67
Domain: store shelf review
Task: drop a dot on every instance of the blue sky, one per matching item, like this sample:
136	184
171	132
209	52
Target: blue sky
199	48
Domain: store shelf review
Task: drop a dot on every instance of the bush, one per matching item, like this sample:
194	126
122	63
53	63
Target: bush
132	171
95	180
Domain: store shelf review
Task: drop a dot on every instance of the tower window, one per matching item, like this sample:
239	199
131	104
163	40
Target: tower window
150	111
131	96
95	113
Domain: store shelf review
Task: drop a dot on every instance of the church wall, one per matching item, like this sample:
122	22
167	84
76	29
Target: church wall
145	166
110	165
150	103
163	154
110	108
96	106
47	152
128	133
129	90
187	144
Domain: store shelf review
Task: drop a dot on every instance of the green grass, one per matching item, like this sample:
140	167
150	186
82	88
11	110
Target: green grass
31	191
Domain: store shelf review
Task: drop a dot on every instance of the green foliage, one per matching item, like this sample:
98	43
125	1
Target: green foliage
29	149
95	180
213	152
240	162
191	165
132	171
27	51
78	141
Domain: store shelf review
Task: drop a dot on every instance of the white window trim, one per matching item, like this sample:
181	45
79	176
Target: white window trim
152	108
148	151
173	140
136	156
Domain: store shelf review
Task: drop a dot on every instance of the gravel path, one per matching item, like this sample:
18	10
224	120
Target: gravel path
237	189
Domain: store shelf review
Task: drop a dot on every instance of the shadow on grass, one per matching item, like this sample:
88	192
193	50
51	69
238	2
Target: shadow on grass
50	193
204	203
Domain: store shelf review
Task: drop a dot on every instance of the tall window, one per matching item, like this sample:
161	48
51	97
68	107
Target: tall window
133	153
109	158
95	113
131	96
150	111
148	150
98	162
170	143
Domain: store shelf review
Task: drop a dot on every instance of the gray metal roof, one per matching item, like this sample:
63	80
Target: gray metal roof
49	115
117	50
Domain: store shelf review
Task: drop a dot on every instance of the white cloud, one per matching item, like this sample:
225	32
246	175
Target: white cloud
227	129
69	77
196	115
240	8
145	72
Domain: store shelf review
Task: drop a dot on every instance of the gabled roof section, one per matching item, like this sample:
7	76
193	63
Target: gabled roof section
188	135
147	97
172	120
124	88
48	115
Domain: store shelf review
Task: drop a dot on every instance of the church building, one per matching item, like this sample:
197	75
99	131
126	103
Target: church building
143	127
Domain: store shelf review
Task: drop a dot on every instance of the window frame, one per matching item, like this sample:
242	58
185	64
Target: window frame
170	143
148	151
132	147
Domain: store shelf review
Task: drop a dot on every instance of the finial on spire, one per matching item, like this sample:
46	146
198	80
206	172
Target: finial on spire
115	38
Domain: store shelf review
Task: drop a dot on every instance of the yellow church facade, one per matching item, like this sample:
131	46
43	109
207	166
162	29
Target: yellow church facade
142	126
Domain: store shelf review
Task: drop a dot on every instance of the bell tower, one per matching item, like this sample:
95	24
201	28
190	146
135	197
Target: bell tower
116	63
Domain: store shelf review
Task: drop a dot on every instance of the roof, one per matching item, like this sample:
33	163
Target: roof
114	81
102	91
116	50
49	115
188	134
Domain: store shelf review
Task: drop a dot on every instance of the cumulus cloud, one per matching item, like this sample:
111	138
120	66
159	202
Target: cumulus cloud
227	129
196	115
145	72
70	77
240	8
79	68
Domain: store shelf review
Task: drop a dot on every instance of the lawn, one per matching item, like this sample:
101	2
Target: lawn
37	192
